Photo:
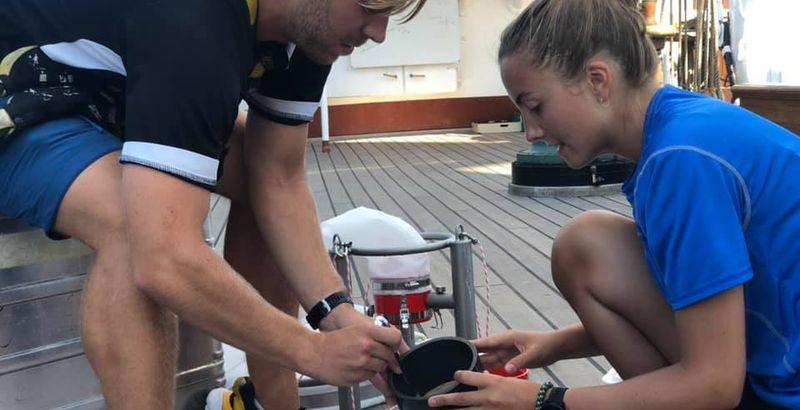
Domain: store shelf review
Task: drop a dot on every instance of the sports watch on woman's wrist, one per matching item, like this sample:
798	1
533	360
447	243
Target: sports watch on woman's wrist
555	401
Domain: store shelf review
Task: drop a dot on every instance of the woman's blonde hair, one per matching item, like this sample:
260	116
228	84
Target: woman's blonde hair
395	7
564	34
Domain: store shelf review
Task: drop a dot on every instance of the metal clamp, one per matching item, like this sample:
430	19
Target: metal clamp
341	249
409	285
438	321
461	235
596	179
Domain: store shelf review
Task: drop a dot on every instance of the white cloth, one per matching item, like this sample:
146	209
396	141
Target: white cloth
371	229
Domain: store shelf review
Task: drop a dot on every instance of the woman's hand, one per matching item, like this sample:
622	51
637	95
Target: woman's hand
514	350
494	392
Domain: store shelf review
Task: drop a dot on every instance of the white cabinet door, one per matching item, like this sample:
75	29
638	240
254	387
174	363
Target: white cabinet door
432	37
345	81
429	79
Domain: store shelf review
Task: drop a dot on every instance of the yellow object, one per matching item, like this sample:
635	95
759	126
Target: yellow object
11	58
238	401
258	71
5	120
226	401
662	30
252	7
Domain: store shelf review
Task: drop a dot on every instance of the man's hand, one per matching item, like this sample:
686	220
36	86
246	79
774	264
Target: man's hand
494	392
346	316
514	349
355	353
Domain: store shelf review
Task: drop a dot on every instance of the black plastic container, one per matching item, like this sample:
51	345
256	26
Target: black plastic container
430	365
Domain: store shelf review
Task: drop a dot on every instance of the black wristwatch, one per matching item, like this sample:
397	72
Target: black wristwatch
556	399
325	306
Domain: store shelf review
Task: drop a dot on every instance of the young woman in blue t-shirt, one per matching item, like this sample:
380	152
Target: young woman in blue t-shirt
696	301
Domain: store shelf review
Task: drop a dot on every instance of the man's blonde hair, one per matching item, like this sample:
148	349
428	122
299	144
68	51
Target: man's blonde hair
395	7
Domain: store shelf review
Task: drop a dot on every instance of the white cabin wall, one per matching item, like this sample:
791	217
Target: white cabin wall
481	22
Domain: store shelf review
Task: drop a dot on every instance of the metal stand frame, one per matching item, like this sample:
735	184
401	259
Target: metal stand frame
461	301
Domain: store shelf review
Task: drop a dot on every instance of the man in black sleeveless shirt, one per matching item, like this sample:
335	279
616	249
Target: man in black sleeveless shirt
116	118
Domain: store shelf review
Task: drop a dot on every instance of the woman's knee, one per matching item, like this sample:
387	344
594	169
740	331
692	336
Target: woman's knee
580	245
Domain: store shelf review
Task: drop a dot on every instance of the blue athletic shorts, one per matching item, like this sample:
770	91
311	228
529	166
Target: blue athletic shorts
39	164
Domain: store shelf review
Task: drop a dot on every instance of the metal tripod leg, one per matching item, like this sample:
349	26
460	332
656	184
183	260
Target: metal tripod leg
346	400
463	287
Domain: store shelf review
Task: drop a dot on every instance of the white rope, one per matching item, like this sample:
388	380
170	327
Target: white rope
488	291
345	253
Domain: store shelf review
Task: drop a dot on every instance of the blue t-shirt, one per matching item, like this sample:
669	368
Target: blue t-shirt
716	199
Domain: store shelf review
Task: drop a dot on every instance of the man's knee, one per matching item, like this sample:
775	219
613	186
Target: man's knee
578	246
91	210
110	233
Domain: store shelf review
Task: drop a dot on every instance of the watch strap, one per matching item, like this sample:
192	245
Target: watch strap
325	306
555	401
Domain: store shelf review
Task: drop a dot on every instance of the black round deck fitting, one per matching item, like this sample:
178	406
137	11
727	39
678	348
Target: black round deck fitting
557	175
429	369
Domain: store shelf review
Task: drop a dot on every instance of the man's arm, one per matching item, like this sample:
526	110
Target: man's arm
285	211
710	373
172	264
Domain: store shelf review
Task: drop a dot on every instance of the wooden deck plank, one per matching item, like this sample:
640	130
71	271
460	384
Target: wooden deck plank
620	198
469	167
582	204
339	200
317	184
600	201
560	206
540	217
503	209
354	190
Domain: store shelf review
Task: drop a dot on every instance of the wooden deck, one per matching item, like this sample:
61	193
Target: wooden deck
437	181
